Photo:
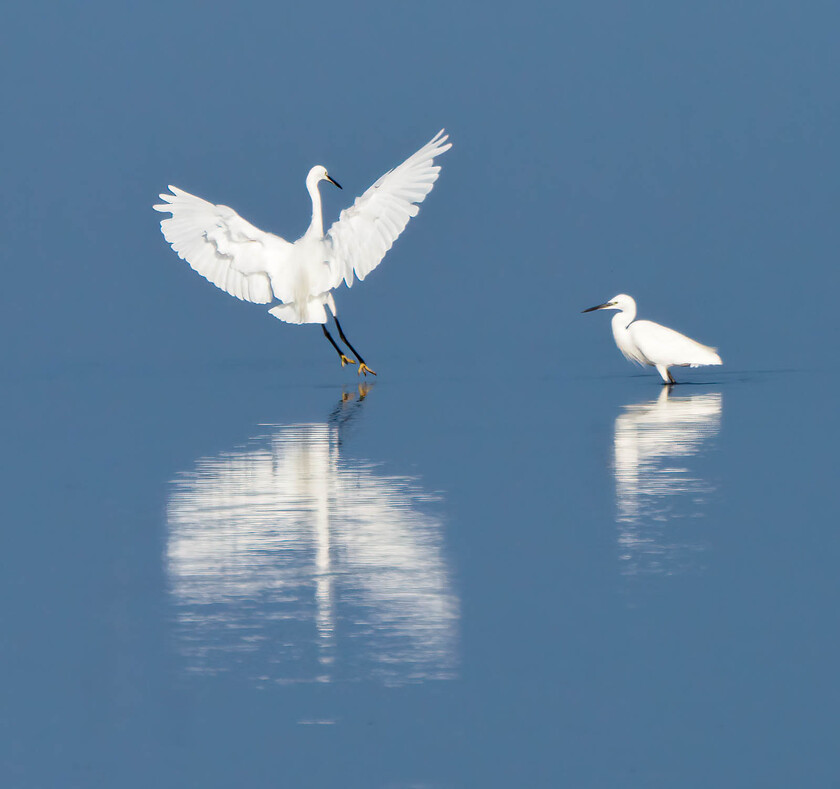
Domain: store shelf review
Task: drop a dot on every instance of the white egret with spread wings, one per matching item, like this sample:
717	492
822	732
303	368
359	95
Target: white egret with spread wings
262	267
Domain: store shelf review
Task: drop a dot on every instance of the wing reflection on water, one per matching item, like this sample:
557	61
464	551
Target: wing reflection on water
654	485
289	561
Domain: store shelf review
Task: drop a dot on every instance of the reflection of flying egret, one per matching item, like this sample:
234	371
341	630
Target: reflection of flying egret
262	267
653	441
288	561
646	342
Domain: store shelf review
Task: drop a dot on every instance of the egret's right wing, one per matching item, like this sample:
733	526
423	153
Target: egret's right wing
366	231
224	248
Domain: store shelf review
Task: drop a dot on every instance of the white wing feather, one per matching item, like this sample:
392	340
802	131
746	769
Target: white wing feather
226	249
358	241
662	345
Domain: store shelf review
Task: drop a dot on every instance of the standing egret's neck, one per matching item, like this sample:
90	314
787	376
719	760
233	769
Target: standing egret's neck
625	316
316	226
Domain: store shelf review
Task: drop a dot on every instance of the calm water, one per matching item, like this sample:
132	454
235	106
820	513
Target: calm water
514	560
215	577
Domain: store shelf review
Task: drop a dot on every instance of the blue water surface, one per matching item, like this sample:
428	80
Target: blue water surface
509	560
217	577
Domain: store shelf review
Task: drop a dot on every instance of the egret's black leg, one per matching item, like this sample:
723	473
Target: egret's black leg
344	359
363	368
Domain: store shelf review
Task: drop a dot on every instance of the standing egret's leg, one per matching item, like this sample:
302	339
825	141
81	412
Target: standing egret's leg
363	368
667	378
344	359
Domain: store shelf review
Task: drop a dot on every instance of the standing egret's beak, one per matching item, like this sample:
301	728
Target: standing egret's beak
335	183
599	307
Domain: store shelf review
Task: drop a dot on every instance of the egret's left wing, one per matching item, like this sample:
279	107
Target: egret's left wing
358	241
662	345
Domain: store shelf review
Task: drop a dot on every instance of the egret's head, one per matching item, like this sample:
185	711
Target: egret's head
319	173
620	302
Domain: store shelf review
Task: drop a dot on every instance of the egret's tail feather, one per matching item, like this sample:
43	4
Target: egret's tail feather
706	356
310	311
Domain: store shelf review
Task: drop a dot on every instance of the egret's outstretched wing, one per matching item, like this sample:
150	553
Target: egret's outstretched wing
358	241
221	246
662	345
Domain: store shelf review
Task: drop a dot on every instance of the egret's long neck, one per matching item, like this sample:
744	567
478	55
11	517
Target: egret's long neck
316	226
623	318
621	334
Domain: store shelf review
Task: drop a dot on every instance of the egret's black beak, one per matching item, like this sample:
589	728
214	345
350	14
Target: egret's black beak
599	307
335	183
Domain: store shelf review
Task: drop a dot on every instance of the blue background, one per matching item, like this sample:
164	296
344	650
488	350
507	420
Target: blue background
683	153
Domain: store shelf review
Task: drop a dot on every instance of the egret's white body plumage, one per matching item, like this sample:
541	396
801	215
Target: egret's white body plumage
262	267
649	343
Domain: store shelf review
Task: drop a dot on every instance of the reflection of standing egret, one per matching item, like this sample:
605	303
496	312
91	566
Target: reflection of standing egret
290	562
651	489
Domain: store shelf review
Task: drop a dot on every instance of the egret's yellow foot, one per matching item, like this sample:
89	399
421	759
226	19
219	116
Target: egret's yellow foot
363	368
346	360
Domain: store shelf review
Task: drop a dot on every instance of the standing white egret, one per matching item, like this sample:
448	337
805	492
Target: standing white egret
646	342
262	267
